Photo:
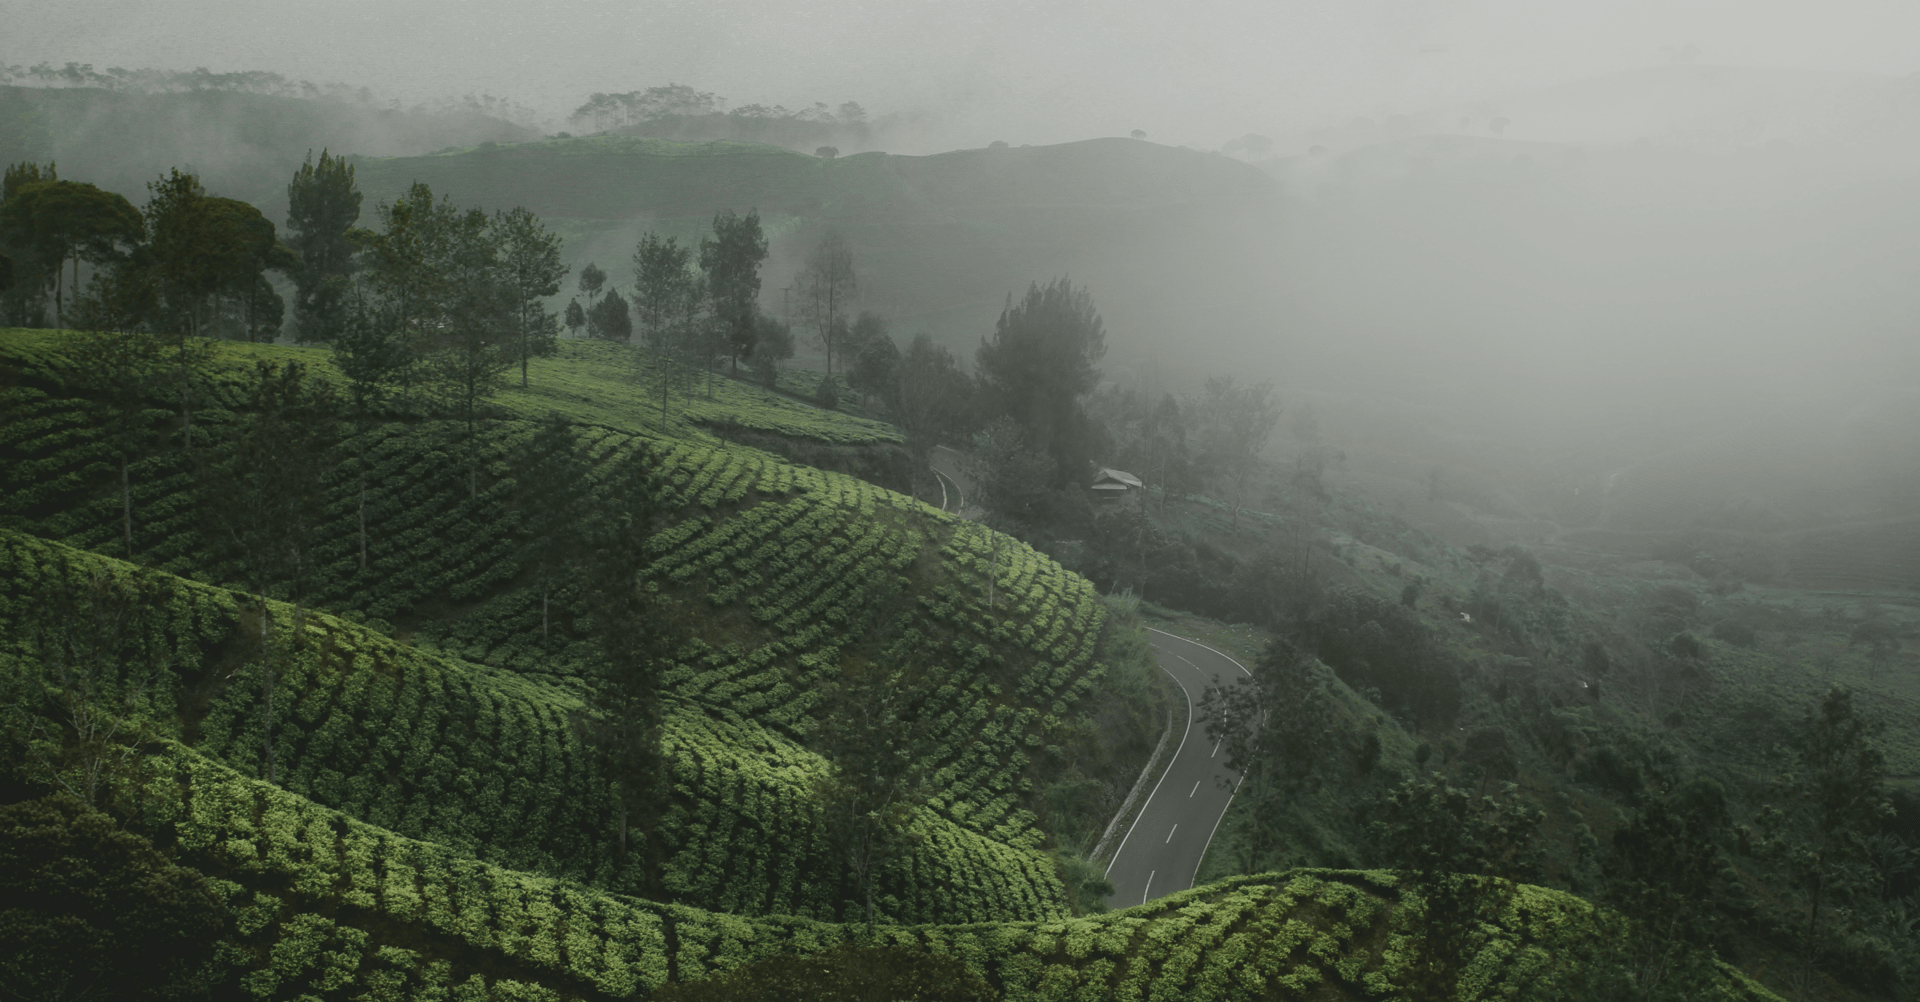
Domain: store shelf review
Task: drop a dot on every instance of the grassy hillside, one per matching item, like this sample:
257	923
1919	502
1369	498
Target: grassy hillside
437	822
333	902
779	573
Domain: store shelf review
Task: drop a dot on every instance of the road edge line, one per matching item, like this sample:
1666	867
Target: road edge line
1133	795
1163	775
1196	643
1208	847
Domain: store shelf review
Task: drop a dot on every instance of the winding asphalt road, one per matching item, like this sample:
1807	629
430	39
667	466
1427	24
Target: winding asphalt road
1161	852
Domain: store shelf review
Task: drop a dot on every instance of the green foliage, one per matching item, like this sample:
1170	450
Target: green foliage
88	910
846	973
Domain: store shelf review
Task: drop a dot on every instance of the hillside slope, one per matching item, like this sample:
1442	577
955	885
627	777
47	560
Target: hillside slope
778	573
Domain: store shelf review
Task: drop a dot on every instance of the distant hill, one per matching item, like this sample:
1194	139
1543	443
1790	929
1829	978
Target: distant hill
243	145
939	241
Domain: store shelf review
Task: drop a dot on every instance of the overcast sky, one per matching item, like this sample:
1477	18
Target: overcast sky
1026	70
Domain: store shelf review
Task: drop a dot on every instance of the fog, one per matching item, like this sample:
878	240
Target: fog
1025	72
1592	234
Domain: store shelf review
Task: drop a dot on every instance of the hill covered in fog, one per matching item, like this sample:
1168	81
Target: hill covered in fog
939	241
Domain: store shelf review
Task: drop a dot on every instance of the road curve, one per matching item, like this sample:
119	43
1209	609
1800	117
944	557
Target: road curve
1161	852
946	465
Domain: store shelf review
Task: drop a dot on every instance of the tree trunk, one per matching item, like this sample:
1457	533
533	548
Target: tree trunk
545	594
59	272
186	408
363	509
623	826
266	663
126	505
1813	925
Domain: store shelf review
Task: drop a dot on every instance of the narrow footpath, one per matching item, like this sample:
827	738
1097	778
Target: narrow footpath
1161	852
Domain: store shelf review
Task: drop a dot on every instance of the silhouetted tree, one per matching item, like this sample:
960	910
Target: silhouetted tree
827	287
874	782
119	368
94	911
264	501
637	640
58	221
552	484
1460	856
576	317
592	280
1040	362
530	268
1831	803
772	344
875	358
1235	423
1274	725
731	258
323	204
609	319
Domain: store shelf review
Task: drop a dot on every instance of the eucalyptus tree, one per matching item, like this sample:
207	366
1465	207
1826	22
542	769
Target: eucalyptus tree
827	288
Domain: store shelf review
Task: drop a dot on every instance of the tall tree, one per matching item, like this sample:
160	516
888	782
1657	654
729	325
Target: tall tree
1832	802
1042	359
25	300
323	204
827	288
934	396
576	318
874	781
68	221
371	354
1459	857
530	265
731	258
471	344
637	638
874	358
1236	421
772	344
264	500
209	253
662	287
551	491
592	279
1274	726
407	285
119	367
610	320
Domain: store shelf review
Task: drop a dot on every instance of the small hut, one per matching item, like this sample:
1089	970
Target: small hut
1111	486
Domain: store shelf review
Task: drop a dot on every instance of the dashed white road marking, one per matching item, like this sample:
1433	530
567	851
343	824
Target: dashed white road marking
1175	828
1196	789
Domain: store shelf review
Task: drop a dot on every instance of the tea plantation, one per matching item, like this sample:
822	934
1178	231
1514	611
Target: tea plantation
437	827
